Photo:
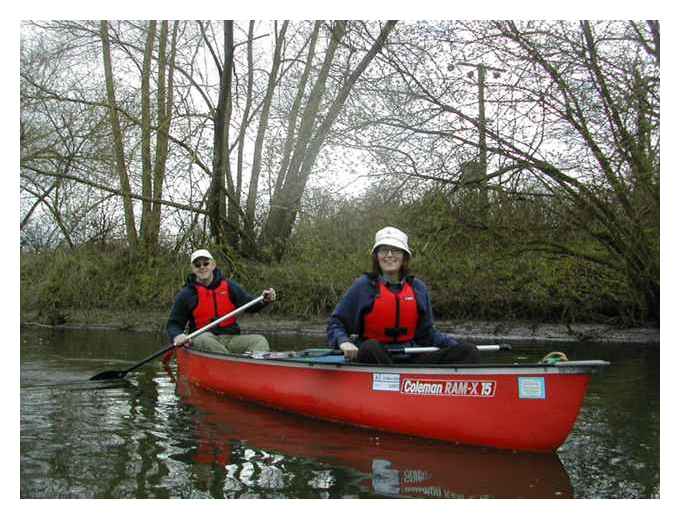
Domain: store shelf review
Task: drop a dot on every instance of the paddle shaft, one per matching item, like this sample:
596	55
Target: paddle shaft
121	374
419	350
226	316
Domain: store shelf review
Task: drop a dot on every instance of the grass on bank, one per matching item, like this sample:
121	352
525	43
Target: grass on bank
97	284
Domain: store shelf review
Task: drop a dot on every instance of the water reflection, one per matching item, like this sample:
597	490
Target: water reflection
145	437
258	449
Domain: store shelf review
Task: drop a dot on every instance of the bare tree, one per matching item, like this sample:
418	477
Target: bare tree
310	135
577	114
199	129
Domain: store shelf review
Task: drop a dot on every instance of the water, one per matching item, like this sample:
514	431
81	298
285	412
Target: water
150	436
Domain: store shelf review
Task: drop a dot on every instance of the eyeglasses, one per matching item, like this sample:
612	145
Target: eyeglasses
384	251
198	263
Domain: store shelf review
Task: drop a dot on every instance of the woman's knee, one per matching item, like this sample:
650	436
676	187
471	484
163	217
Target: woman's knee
462	353
469	353
371	351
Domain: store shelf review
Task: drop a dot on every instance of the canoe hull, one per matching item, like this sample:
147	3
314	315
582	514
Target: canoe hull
527	408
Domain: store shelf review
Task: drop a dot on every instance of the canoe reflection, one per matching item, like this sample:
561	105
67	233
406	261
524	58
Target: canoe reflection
394	465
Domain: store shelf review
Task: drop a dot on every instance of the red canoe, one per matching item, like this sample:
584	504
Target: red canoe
526	407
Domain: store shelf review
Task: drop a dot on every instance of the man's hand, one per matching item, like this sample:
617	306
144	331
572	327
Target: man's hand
180	339
269	295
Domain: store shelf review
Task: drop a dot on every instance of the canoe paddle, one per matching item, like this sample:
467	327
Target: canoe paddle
120	374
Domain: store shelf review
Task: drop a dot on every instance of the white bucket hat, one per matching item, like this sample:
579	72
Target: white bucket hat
391	236
200	253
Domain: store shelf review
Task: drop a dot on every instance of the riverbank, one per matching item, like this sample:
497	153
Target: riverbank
475	331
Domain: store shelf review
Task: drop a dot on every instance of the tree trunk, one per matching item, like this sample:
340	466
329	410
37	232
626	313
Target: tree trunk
244	126
147	189
217	199
233	198
249	223
295	110
118	148
165	103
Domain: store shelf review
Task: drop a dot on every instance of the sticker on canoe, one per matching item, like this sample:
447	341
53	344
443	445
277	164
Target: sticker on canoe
433	387
386	382
531	387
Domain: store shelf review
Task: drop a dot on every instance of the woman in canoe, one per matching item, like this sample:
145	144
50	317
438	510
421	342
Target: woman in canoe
389	307
207	296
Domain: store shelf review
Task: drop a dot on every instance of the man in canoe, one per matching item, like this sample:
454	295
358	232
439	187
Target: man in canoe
388	307
207	296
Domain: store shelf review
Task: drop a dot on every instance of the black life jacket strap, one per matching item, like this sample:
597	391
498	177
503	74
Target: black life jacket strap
394	332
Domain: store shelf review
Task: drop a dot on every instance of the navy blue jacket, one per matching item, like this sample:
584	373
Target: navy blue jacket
187	299
348	317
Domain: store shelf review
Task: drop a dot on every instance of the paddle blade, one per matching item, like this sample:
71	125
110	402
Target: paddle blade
107	375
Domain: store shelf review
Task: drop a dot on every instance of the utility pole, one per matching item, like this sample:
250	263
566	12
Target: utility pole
478	171
481	124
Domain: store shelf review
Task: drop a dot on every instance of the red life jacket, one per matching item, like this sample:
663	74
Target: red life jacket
394	316
212	304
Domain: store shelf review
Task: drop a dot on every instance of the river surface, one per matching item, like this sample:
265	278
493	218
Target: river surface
150	436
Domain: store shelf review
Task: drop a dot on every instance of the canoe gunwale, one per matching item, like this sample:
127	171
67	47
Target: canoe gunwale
562	367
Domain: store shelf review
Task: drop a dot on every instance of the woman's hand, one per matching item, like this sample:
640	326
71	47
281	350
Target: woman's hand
350	350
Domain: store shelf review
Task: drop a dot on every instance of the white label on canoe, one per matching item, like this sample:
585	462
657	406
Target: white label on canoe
531	387
448	388
386	382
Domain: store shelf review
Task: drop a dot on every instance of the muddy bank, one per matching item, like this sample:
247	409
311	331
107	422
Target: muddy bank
263	323
488	331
